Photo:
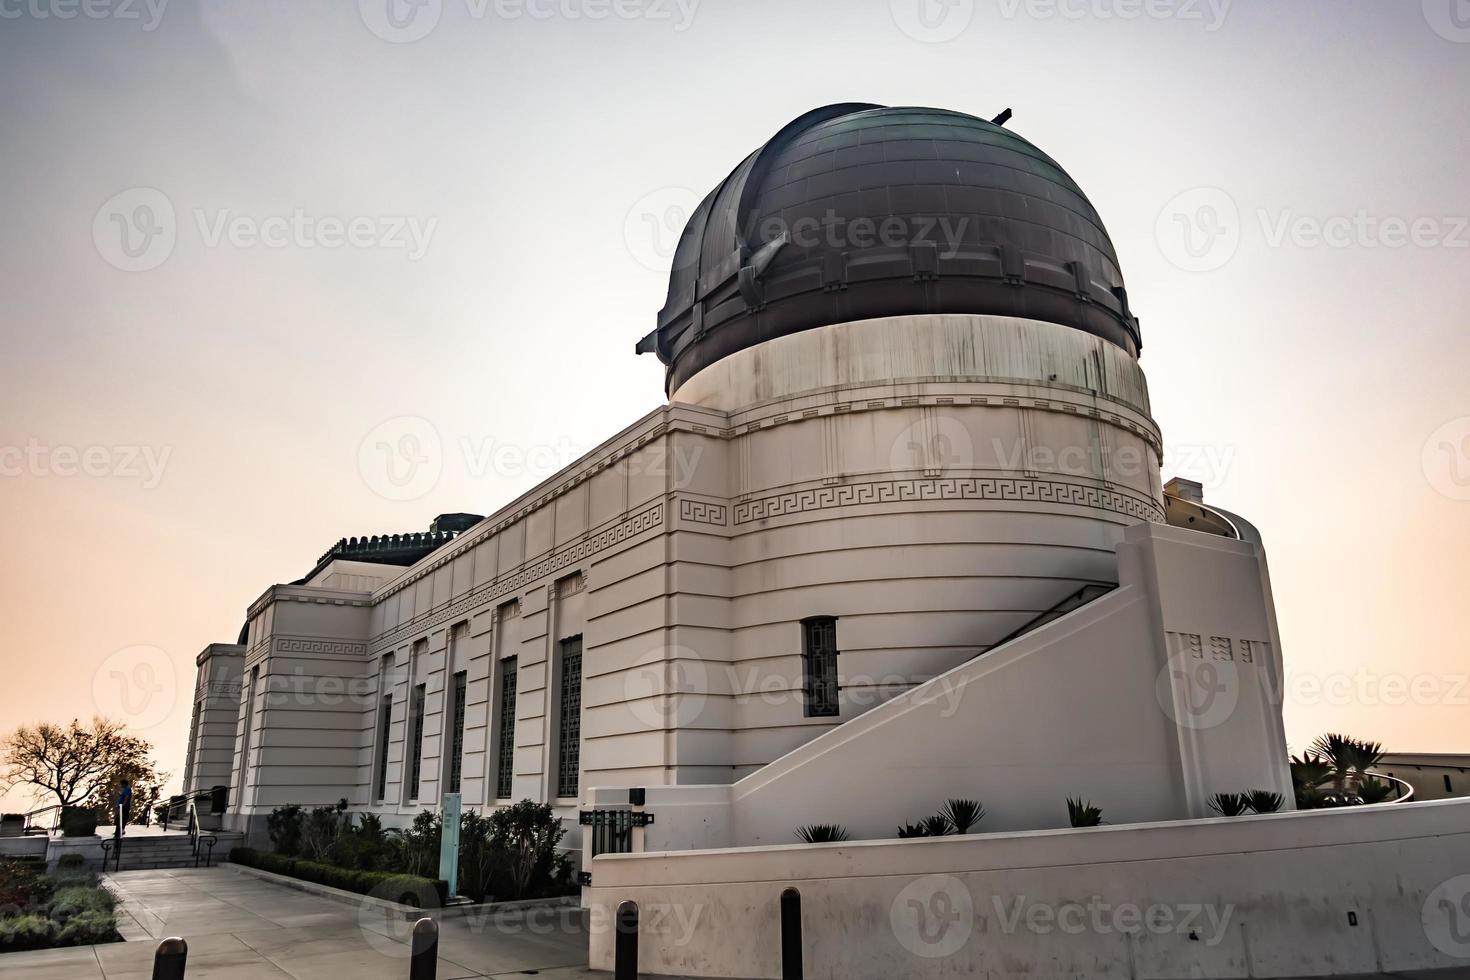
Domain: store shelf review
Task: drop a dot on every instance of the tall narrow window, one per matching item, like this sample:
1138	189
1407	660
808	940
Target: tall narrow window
569	728
385	726
819	666
505	742
416	734
249	724
456	731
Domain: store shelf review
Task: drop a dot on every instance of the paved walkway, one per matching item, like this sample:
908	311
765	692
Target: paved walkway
239	926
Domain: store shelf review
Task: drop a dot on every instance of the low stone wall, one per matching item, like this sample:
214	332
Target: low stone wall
1326	893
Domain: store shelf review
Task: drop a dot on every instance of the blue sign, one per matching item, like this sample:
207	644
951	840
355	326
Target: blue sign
449	843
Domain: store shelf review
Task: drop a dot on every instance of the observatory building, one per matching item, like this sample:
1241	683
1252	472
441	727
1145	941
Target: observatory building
899	535
897	538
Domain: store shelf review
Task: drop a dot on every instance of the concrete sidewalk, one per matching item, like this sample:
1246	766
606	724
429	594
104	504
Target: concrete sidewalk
239	926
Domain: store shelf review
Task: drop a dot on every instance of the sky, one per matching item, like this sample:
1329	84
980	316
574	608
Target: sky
244	242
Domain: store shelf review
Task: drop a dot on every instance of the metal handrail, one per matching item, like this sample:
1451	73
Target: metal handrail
55	820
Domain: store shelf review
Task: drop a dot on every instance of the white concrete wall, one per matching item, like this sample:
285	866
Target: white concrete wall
1370	890
933	482
1100	704
213	724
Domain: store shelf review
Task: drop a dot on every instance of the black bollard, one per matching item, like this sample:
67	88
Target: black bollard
425	961
625	950
169	959
791	934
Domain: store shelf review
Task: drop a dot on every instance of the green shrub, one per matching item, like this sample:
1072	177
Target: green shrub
320	831
87	929
24	932
22	885
284	826
79	900
419	890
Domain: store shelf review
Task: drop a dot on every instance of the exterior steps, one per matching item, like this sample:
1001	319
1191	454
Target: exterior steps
147	852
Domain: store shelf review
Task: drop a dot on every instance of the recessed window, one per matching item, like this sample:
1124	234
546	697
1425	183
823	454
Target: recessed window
505	742
416	734
385	725
1447	787
819	666
569	728
456	730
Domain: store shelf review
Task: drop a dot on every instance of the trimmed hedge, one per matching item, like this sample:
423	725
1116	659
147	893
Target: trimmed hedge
403	889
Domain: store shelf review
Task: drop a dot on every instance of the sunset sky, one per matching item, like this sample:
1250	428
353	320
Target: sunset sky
457	221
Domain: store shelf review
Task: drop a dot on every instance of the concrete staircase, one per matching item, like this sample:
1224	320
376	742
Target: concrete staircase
147	851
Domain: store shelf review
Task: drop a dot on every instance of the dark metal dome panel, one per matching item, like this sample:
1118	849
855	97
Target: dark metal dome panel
856	211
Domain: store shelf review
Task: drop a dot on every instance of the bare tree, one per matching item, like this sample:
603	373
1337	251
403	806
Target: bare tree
72	762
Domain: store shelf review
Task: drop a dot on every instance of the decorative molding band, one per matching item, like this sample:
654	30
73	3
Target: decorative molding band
227	690
644	520
335	648
701	512
954	488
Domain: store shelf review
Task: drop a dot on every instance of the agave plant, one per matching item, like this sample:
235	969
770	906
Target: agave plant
961	815
1263	801
822	833
1228	804
1083	814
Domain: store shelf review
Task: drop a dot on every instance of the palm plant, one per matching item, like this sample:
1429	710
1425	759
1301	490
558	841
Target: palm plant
910	830
1340	751
1363	756
1263	801
936	826
1372	790
961	815
1308	774
1083	814
1228	804
822	833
